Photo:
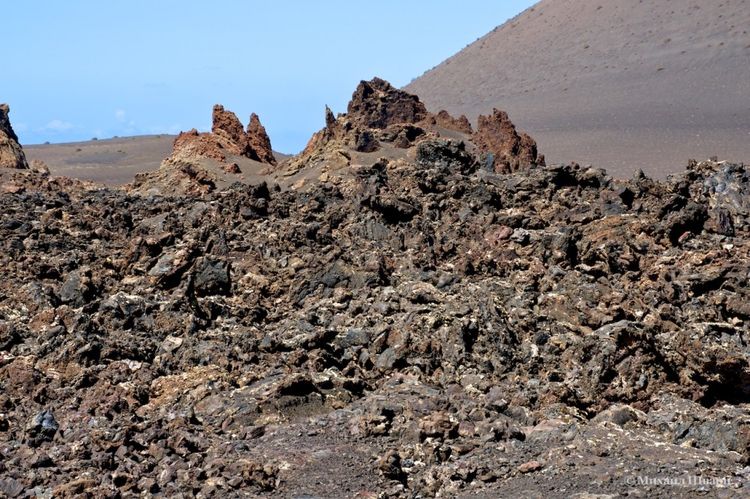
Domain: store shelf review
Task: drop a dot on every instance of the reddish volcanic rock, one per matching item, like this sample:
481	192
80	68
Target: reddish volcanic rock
228	130
460	124
322	137
227	138
508	150
194	144
258	142
11	153
377	104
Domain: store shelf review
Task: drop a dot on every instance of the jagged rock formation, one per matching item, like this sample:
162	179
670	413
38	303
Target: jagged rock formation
415	323
190	169
381	118
460	124
227	137
377	104
227	130
428	311
11	153
258	142
507	150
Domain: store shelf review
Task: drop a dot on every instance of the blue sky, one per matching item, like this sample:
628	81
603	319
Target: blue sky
82	69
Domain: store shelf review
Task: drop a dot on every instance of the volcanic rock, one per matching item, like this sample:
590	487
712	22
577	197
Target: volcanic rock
506	150
379	117
401	320
460	124
11	153
201	162
377	104
227	138
192	145
228	131
258	142
42	426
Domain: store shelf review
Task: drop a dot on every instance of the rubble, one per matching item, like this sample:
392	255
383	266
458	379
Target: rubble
416	324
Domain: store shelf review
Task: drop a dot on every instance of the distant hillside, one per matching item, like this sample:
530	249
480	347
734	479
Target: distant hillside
621	85
110	161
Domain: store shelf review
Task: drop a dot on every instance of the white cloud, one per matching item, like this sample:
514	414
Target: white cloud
58	126
120	115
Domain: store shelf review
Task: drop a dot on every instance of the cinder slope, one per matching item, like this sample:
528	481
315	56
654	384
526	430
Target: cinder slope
622	84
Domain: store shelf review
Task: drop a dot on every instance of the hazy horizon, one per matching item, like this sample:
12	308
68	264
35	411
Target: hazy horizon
87	69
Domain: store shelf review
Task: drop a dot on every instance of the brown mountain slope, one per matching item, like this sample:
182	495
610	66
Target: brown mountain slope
622	84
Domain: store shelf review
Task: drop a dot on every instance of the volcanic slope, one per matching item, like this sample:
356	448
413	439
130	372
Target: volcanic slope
621	85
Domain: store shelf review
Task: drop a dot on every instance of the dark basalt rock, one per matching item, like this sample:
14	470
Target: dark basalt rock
377	104
211	277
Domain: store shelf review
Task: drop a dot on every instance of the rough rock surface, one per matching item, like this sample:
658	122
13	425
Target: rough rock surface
202	162
380	119
413	326
228	131
460	124
507	150
11	153
377	104
227	138
258	142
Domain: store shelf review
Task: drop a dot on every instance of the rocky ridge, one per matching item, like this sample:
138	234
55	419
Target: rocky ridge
202	162
390	315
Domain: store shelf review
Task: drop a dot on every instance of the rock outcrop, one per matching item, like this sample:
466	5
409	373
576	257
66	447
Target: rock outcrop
421	310
227	138
11	152
201	162
377	104
227	130
379	116
258	142
507	150
460	124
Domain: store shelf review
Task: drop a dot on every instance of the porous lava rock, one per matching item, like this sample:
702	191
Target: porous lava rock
227	138
507	150
258	142
377	104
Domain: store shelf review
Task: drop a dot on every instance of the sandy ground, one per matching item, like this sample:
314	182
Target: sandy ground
110	161
619	85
